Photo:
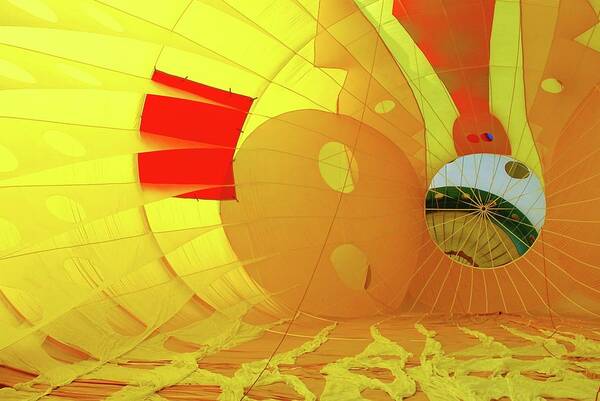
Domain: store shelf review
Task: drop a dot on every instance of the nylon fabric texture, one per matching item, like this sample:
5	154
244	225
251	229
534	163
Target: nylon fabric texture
299	200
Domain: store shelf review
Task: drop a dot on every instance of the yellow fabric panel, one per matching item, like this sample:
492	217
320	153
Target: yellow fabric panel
288	90
119	19
9	161
591	37
70	150
436	106
241	43
78	273
204	259
12	71
15	299
338	167
206	255
321	86
109	170
165	14
507	88
57	373
236	284
24	69
34	8
311	6
67	195
180	214
107	109
125	55
286	20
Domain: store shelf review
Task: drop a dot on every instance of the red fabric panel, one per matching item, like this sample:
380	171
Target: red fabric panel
230	99
206	123
186	166
191	120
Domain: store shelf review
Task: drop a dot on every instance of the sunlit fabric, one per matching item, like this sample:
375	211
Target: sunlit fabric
333	200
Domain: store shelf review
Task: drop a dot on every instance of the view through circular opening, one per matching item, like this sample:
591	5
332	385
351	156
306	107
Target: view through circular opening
485	210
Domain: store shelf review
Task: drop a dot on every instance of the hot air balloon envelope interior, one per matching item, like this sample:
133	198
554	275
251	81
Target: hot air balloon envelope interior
333	200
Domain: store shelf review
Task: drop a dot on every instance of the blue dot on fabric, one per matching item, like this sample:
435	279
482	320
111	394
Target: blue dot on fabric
488	137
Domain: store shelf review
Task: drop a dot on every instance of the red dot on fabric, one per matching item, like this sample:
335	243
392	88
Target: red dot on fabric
472	138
